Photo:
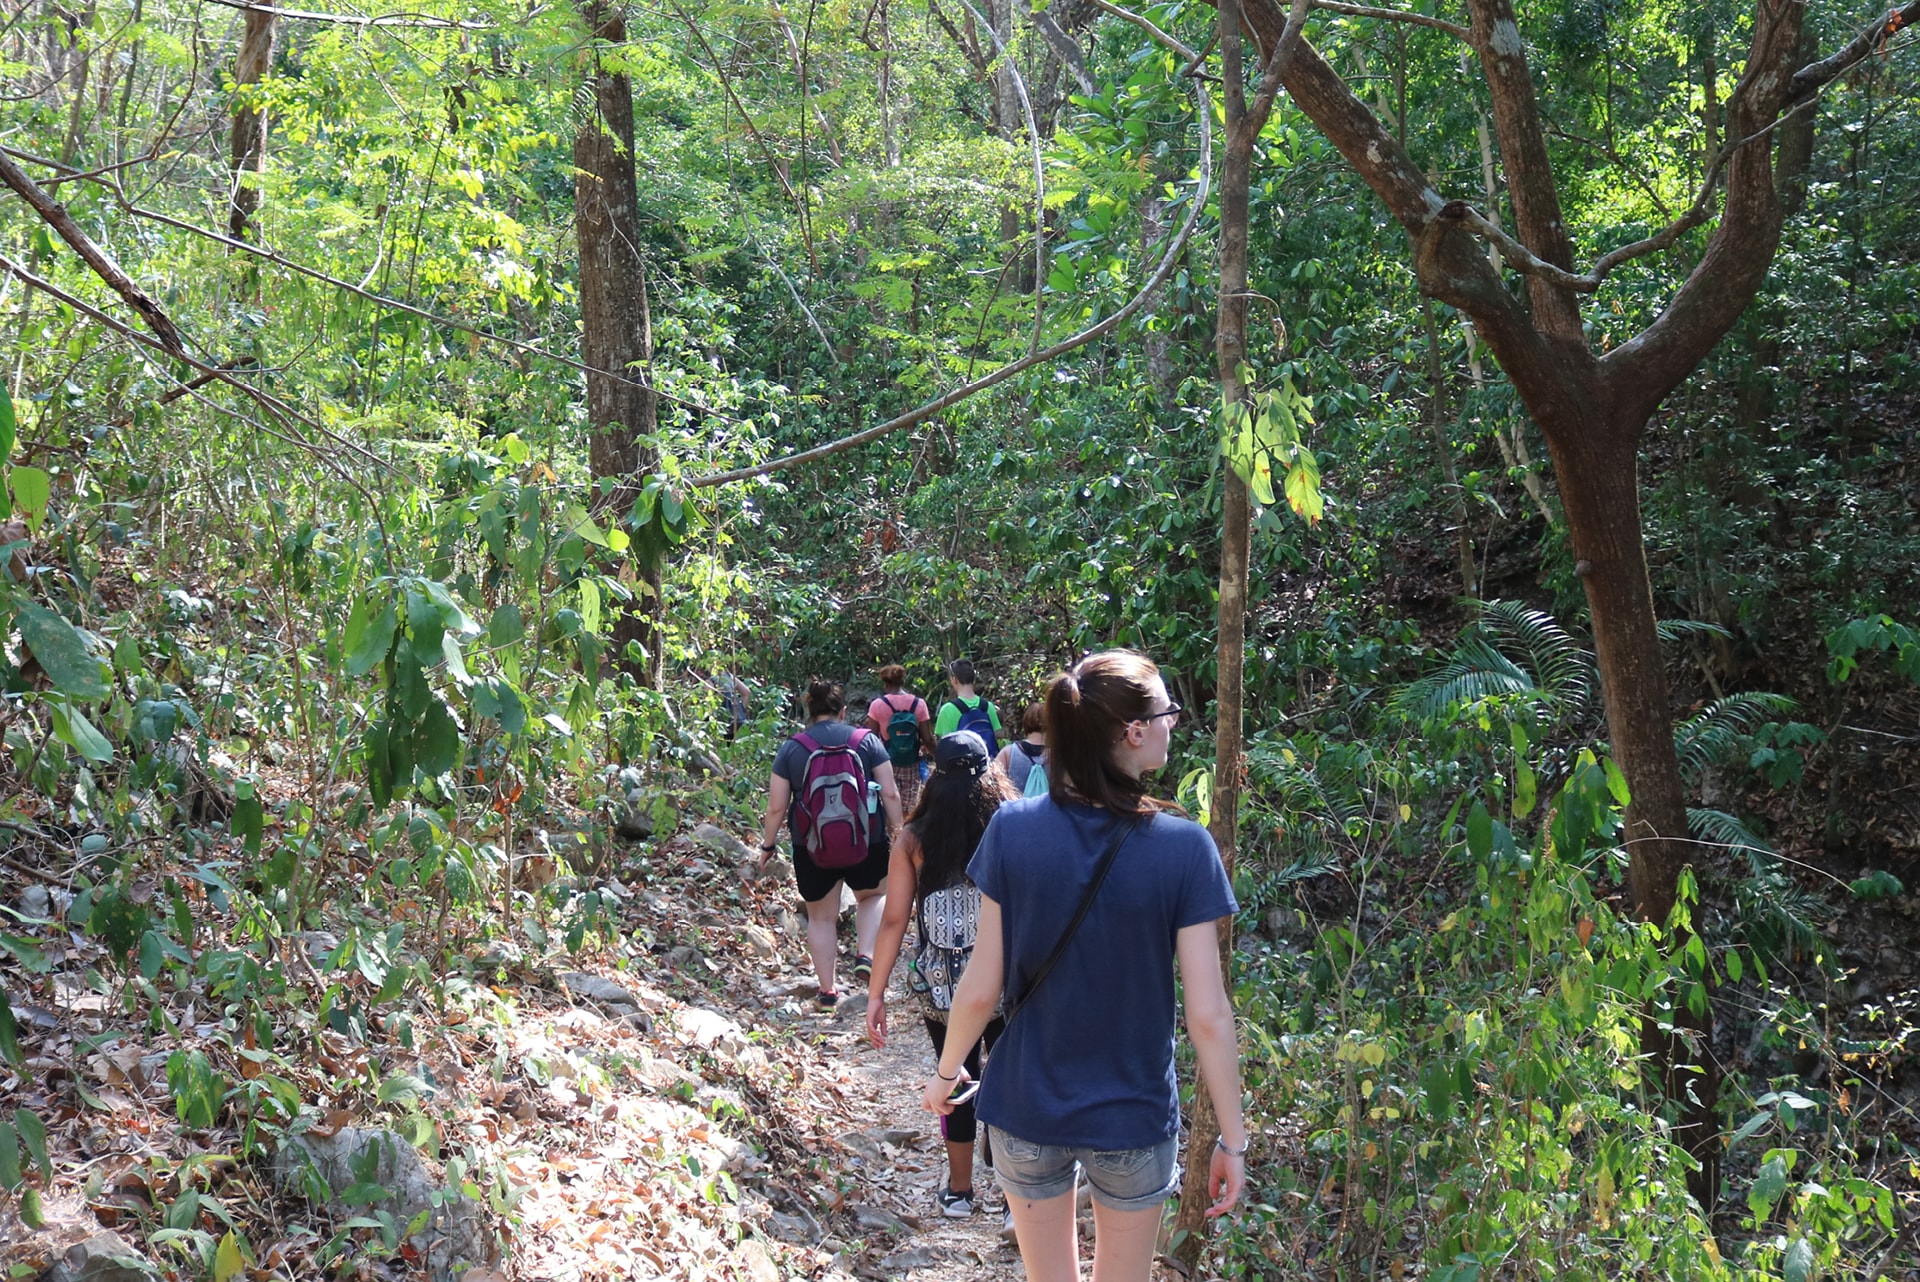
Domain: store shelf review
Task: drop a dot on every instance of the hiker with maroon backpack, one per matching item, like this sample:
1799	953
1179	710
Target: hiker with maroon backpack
821	785
900	717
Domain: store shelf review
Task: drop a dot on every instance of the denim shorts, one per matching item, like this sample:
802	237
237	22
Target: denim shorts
1134	1179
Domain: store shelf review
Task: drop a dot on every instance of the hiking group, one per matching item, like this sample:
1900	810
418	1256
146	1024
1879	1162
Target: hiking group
1051	901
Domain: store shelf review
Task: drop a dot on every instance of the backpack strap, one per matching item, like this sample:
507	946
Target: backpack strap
1126	830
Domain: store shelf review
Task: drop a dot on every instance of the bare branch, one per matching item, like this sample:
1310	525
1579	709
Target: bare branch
1870	40
955	396
95	257
1071	54
382	300
1395	15
1146	24
1039	177
360	20
1277	63
213	373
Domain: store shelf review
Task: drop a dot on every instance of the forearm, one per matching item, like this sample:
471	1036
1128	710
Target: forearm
770	825
973	1006
1216	1047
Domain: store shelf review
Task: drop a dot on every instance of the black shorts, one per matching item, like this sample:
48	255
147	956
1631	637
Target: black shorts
816	883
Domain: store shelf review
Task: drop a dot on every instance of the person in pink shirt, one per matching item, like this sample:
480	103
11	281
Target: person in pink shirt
901	719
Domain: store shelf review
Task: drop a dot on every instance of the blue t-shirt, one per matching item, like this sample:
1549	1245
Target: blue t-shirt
1089	1061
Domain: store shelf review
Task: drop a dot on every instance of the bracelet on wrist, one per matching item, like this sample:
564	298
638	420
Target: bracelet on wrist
1220	1143
943	1077
770	846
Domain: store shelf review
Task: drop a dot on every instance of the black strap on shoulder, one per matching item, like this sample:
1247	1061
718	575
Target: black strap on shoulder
1126	830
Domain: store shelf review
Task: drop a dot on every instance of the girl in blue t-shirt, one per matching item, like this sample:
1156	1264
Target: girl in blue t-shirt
1082	1079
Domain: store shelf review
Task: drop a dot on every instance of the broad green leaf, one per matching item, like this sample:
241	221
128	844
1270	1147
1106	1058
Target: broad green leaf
71	727
9	1033
507	626
589	606
436	741
61	651
33	1136
456	665
1768	1186
453	616
32	492
1798	1264
228	1262
10	1177
369	635
575	521
249	820
1303	493
33	1212
9	425
1479	831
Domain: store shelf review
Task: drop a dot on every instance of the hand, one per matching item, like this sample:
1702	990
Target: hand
1226	1180
877	1019
766	857
934	1099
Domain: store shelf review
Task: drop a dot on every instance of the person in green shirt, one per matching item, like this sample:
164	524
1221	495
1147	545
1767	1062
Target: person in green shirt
967	710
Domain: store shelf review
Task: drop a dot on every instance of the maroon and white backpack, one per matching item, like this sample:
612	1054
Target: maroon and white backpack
831	812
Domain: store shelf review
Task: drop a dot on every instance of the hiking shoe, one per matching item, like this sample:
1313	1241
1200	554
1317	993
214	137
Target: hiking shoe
1007	1233
862	968
825	1000
955	1206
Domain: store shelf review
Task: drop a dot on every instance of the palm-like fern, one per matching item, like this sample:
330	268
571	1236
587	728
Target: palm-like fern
1512	651
1774	915
1712	736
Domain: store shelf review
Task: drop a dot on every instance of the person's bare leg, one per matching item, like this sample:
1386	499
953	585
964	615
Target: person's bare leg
823	929
960	1166
1123	1243
869	905
1048	1246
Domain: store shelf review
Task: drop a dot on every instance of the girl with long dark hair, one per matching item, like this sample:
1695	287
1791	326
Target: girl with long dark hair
1090	896
927	884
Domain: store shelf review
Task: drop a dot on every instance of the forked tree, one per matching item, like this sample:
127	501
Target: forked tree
1592	407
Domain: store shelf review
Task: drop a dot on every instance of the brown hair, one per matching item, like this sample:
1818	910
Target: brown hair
825	698
1034	719
893	676
1088	709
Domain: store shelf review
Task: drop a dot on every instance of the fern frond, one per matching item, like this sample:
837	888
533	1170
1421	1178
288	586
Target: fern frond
1559	665
1712	736
1723	829
1672	630
1474	671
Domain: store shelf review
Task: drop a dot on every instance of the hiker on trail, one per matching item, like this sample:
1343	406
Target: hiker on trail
820	786
1021	758
927	884
967	710
900	717
1088	897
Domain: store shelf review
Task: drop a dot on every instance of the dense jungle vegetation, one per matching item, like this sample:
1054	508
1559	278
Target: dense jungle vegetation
398	440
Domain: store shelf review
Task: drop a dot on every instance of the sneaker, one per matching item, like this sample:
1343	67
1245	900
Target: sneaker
862	968
826	1001
1007	1233
955	1206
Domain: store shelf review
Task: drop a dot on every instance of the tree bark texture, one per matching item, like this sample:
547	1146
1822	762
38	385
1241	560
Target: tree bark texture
616	339
1591	409
249	122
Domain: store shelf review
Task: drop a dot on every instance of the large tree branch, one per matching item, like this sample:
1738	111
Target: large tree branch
91	254
1873	37
1644	369
359	19
946	400
1530	184
1395	15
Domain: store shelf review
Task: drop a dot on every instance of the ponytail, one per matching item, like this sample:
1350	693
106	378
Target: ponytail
1087	710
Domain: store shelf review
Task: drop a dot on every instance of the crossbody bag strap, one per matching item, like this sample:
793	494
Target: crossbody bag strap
1127	827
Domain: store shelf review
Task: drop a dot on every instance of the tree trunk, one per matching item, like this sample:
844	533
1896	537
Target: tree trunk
1596	463
616	338
1230	347
249	122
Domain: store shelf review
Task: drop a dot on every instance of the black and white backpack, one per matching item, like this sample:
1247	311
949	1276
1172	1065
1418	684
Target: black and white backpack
949	922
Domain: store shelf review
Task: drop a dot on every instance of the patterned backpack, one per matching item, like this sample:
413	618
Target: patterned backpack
949	922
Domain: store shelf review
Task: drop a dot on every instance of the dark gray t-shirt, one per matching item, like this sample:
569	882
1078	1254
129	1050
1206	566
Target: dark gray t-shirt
791	760
1089	1060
